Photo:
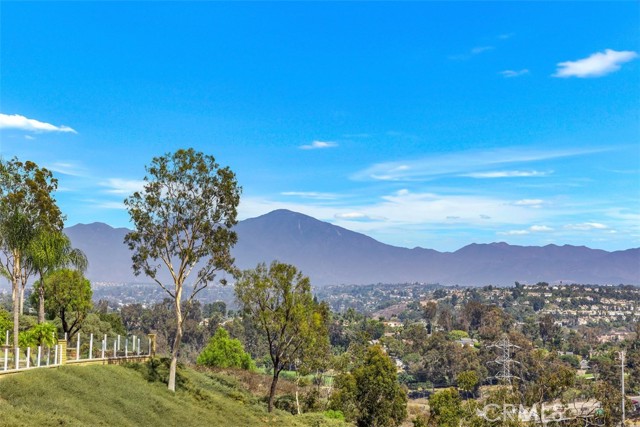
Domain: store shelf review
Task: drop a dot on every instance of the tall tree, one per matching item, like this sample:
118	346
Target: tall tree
50	250
371	395
26	204
183	215
279	299
68	295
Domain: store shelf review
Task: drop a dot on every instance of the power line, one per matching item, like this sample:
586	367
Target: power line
504	360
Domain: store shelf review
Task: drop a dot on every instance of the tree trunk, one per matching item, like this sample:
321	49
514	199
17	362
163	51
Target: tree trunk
15	284
41	301
272	390
176	342
297	388
22	298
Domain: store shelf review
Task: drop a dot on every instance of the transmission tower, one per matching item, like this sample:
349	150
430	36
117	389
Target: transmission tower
504	359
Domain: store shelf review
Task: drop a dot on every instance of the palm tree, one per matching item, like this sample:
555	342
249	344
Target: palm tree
51	250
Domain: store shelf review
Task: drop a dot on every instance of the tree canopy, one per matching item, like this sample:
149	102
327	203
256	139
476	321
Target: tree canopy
279	299
183	221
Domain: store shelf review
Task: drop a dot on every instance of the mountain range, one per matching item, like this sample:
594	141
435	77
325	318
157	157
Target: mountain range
332	255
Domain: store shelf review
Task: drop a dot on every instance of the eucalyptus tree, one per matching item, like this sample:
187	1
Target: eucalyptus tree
48	251
183	222
279	300
26	204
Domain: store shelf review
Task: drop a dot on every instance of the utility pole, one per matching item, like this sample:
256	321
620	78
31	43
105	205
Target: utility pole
622	383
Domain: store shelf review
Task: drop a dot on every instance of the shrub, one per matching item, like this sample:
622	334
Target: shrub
225	352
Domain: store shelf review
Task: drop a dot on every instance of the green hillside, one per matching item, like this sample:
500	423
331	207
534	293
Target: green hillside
123	396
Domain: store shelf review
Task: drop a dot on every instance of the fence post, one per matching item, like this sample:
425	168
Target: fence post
104	344
115	348
133	343
6	357
48	354
152	345
126	347
17	357
28	357
78	347
118	342
62	349
91	346
6	341
39	355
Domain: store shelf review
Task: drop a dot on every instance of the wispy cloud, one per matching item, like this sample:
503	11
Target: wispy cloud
318	145
473	52
122	186
16	121
514	73
311	195
587	226
506	36
532	229
540	228
356	216
464	163
514	232
67	168
596	65
534	203
508	174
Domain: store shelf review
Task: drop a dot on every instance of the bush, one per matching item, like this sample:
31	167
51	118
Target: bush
287	403
334	415
225	352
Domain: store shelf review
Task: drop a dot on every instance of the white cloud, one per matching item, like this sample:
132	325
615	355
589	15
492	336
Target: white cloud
66	168
122	186
534	203
316	145
16	121
597	65
356	216
514	73
514	232
465	163
480	49
586	226
311	195
540	228
507	174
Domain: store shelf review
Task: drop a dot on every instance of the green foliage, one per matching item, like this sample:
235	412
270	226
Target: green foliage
279	300
457	334
183	223
371	394
225	352
40	334
68	296
26	205
5	322
334	415
446	408
467	380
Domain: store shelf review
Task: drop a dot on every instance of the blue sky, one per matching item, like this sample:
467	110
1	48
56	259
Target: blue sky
433	124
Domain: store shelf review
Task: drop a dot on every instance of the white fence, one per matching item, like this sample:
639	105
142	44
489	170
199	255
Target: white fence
83	350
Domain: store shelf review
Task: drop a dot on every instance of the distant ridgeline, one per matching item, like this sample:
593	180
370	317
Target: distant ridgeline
332	255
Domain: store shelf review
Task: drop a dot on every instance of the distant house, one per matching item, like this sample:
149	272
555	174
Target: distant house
467	342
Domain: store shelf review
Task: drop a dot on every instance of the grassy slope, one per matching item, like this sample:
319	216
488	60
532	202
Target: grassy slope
119	396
